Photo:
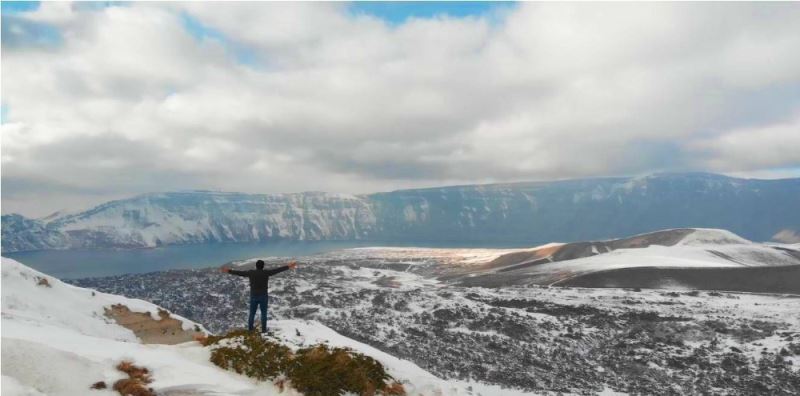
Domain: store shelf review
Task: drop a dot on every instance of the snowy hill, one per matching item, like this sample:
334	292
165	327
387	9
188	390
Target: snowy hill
59	339
571	210
679	249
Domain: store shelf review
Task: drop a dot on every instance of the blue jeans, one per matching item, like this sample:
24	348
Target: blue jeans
255	303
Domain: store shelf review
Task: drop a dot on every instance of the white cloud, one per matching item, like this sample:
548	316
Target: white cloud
132	102
768	146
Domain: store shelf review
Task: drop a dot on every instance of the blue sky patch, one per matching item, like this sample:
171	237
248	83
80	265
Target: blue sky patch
3	113
200	32
397	12
20	32
14	7
98	5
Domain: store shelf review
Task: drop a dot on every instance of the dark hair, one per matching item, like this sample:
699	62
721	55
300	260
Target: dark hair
260	264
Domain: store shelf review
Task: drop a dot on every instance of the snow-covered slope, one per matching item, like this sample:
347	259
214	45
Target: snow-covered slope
570	210
57	340
304	333
195	217
22	234
686	248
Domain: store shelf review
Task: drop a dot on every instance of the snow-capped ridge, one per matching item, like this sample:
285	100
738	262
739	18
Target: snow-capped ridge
713	236
511	212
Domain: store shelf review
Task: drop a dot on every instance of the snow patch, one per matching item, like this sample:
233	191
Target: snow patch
713	236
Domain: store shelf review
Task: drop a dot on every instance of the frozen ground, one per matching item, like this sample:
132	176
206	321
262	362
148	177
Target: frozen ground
413	305
56	340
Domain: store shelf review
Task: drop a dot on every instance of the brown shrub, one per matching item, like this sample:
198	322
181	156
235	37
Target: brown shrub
321	370
201	338
135	372
252	355
99	385
132	387
314	371
394	389
136	383
213	339
43	282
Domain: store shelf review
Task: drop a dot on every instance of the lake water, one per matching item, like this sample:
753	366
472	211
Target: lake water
74	264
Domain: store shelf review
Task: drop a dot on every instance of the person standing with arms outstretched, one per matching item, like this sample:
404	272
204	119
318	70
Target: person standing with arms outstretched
259	289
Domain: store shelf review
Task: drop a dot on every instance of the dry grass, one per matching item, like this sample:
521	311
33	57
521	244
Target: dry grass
394	389
135	372
253	357
132	387
43	282
165	330
201	338
163	313
136	383
319	370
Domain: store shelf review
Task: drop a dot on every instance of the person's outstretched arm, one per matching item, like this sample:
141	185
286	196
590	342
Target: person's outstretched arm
292	265
234	272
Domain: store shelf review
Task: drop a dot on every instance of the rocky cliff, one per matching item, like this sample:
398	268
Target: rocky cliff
529	213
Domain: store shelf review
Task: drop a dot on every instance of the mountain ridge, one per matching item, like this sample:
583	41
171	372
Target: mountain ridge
688	253
527	212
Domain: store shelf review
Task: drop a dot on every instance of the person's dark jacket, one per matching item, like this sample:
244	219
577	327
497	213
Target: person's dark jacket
259	279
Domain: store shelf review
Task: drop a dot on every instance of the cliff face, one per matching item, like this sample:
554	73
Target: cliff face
197	217
22	234
522	212
591	209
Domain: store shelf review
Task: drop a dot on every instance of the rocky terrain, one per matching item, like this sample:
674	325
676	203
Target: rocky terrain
412	303
522	213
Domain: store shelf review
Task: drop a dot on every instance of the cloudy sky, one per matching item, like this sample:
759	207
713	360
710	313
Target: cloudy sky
106	101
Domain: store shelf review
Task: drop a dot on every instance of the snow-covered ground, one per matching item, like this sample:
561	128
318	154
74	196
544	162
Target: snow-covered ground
533	339
702	248
303	333
697	248
407	308
683	256
57	340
